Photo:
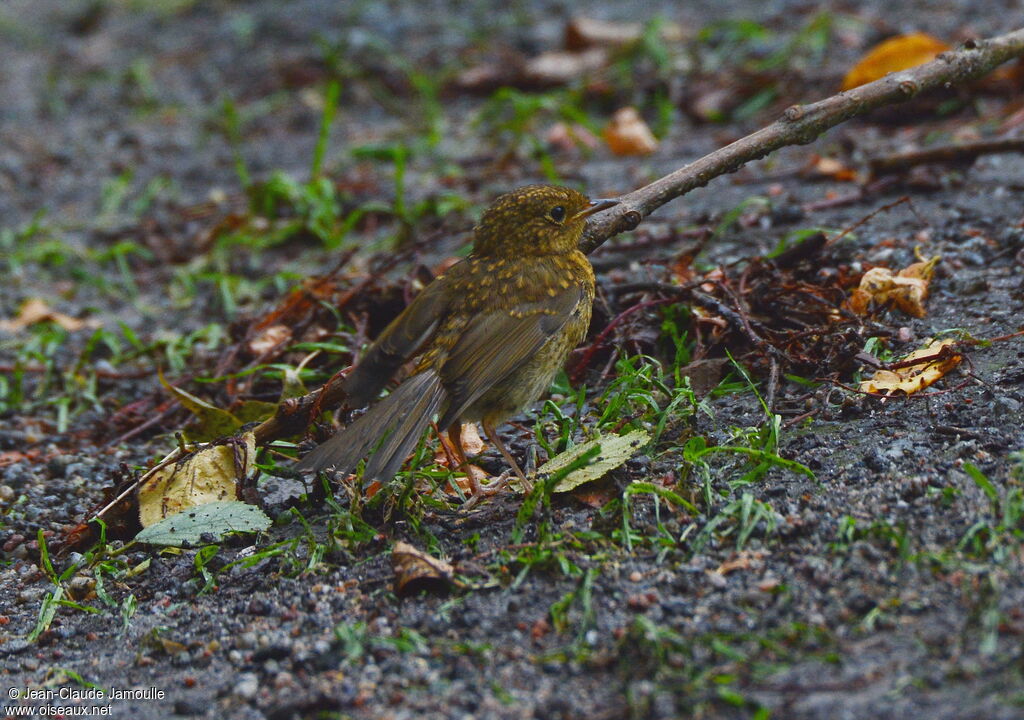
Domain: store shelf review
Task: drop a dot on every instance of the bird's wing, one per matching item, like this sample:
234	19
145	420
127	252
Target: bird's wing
399	342
494	344
390	429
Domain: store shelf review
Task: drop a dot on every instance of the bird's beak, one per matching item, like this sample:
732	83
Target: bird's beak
595	206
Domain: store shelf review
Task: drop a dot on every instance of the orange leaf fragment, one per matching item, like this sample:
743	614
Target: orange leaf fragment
898	53
907	289
909	378
628	134
827	167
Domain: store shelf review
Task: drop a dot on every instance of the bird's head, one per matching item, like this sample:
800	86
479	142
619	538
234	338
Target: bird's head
535	220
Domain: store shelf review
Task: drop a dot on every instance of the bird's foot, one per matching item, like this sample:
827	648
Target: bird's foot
526	483
483	490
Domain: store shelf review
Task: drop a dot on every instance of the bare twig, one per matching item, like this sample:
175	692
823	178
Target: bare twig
802	124
963	152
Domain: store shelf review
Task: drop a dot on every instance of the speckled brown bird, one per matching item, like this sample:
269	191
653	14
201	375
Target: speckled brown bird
494	330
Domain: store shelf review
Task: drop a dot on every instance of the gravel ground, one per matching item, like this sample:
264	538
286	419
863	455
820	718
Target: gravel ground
889	585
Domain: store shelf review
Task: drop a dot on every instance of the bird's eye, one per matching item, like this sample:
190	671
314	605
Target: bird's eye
557	213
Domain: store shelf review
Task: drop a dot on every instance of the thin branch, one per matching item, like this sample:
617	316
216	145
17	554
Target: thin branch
802	124
964	152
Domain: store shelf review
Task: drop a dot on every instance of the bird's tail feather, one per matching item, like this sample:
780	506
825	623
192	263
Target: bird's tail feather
389	430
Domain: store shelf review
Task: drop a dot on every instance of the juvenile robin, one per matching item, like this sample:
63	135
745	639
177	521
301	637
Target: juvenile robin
493	332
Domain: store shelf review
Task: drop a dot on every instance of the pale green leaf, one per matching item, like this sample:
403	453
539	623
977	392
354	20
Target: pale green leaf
612	451
216	519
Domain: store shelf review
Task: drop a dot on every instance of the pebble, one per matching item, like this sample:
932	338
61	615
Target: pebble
189	706
77	468
81	583
58	465
30	594
12	647
1007	404
246	641
717	580
247	686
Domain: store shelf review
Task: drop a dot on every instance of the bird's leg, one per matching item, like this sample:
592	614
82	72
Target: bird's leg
479	489
455	438
492	435
450	454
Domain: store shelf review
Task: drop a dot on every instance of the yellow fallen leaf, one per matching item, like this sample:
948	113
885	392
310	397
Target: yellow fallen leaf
209	475
211	421
898	53
253	411
628	134
907	289
912	376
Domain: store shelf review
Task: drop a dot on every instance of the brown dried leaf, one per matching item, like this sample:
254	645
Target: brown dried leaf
472	443
898	53
464	481
628	134
415	570
35	311
583	32
559	67
935	363
269	338
704	374
566	138
597	495
9	457
745	560
172	647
